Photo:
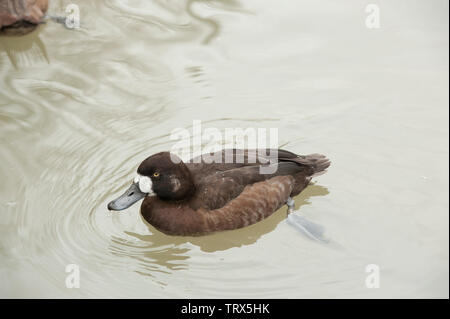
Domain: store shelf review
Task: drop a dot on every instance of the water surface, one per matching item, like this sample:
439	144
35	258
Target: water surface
79	110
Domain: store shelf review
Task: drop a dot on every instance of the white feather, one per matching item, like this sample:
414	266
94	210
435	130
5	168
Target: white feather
145	184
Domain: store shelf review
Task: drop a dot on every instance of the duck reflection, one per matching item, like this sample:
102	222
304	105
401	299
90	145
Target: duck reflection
152	257
24	51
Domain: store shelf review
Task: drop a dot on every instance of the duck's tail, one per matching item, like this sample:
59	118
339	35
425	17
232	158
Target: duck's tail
317	162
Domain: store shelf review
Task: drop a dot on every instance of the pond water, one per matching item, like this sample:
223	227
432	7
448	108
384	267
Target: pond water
80	109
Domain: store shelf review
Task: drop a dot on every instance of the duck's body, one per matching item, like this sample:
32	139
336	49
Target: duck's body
198	197
19	17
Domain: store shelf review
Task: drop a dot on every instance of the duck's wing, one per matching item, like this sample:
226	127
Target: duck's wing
227	159
253	204
216	190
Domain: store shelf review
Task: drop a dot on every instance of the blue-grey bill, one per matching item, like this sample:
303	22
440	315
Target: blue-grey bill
131	196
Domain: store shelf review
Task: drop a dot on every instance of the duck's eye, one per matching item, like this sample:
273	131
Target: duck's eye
155	174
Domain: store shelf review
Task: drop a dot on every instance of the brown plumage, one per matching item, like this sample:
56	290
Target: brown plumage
198	197
19	17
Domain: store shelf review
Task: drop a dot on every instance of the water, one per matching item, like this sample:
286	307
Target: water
79	110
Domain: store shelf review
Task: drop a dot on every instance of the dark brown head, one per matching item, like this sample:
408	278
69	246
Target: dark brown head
171	179
163	175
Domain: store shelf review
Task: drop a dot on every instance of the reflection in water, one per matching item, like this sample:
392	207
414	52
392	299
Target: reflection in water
157	256
24	51
212	24
170	21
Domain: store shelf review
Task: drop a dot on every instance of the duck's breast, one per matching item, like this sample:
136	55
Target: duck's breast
173	218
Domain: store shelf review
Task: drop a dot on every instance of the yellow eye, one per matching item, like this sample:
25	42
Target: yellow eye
155	174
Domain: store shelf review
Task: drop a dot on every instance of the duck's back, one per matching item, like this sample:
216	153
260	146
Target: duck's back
219	183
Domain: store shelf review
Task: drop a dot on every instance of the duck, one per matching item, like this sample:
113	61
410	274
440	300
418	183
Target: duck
205	195
20	17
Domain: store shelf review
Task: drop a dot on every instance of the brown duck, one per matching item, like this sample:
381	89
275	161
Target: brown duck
203	196
19	17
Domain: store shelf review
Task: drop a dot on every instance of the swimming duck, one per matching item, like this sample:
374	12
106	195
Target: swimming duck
201	196
19	17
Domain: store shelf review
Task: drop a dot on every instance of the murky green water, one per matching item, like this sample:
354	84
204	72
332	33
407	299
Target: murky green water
79	110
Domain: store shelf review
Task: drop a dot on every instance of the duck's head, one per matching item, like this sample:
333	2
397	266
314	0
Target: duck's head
163	175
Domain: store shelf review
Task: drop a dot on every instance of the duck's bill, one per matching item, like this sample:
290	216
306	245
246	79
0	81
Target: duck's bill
131	196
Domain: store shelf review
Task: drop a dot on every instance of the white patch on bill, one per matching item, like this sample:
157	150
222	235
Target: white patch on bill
145	183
